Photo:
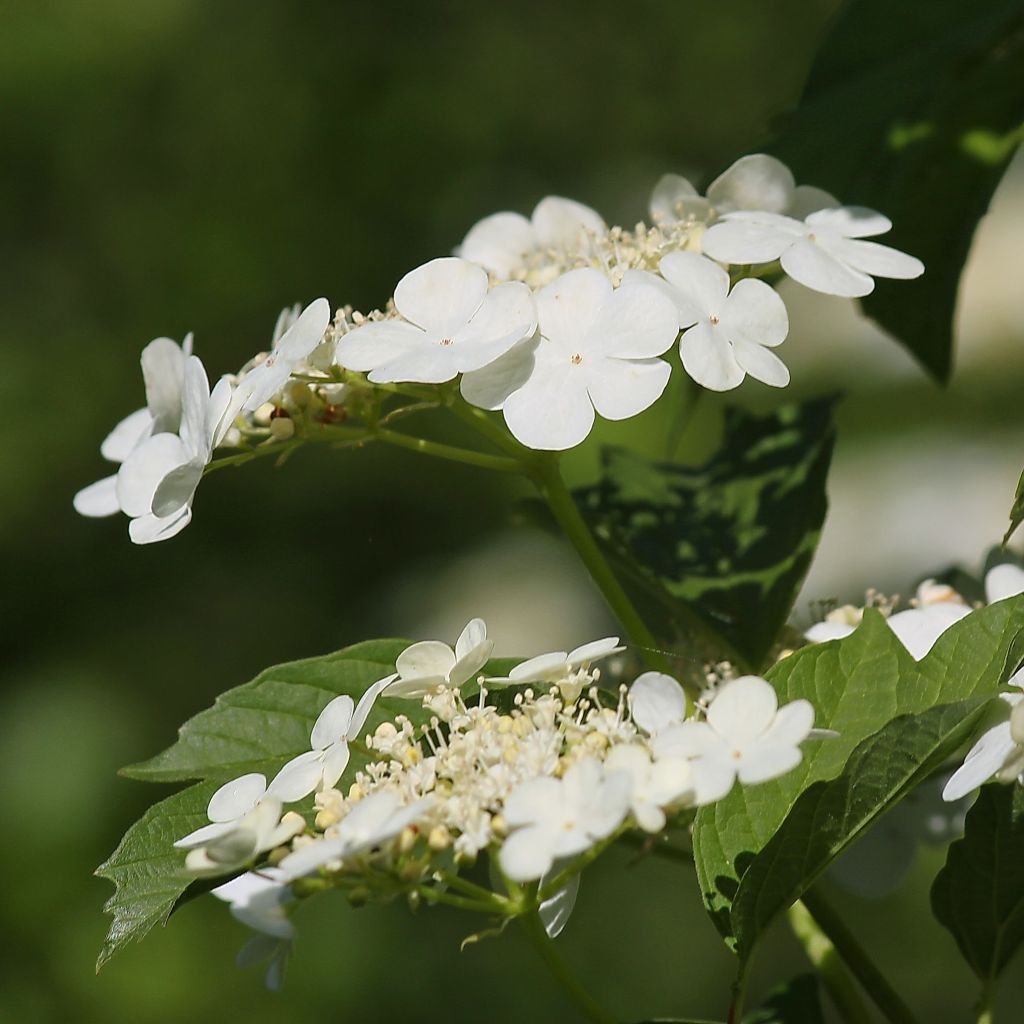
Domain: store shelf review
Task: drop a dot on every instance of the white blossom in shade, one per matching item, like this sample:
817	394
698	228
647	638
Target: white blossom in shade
264	949
1003	581
451	324
726	334
656	701
825	252
430	664
597	351
504	242
998	754
838	623
568	670
157	482
555	911
553	818
163	370
338	724
372	821
656	785
258	899
746	735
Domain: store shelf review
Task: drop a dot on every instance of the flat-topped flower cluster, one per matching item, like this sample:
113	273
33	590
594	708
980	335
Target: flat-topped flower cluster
540	769
551	321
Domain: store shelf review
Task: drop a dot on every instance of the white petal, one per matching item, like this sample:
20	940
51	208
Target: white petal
141	473
713	777
441	295
98	499
426	658
427	362
205	834
1003	581
195	400
552	411
687	739
152	529
221	405
491	386
527	854
506	316
564	223
878	260
569	306
793	724
656	700
474	634
708	358
531	801
375	344
755	313
767	762
700	285
333	722
850	221
237	797
740	239
636	322
336	760
621	388
499	243
743	709
821	632
176	490
310	857
306	333
754	182
542	666
813	267
983	760
672	199
761	363
163	365
593	650
298	778
918	628
807	200
366	702
135	427
555	910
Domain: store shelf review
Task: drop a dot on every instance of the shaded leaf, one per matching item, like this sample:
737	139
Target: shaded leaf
917	117
1017	511
797	1002
979	893
730	541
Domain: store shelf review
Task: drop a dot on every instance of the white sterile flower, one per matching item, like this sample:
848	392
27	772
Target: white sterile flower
503	242
826	251
320	768
429	664
556	818
597	350
746	736
157	482
374	820
452	324
1003	581
163	370
656	701
727	334
998	753
570	671
258	900
655	785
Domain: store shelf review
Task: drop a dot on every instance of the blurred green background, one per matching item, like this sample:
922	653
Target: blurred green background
177	165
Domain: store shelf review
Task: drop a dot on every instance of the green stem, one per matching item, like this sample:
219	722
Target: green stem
822	953
454	881
450	452
584	1001
885	997
494	905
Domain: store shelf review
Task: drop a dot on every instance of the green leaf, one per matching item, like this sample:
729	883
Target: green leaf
917	117
730	541
979	894
797	1002
1017	511
857	686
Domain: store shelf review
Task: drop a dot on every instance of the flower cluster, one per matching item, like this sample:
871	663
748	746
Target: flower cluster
550	321
540	770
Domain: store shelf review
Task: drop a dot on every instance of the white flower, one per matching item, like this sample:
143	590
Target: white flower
429	664
258	900
656	701
558	818
998	753
338	724
570	671
503	242
825	251
452	324
157	482
1003	581
163	372
374	820
597	350
754	182
655	785
727	334
746	736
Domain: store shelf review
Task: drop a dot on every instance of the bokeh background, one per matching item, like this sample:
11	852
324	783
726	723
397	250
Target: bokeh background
177	165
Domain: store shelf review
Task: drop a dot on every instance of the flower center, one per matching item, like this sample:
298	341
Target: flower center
714	319
446	342
576	359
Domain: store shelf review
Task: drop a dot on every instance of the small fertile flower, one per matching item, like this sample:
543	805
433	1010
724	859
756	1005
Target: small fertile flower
746	736
656	701
826	251
451	324
727	334
340	722
555	818
655	785
157	482
430	664
504	242
597	351
998	753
